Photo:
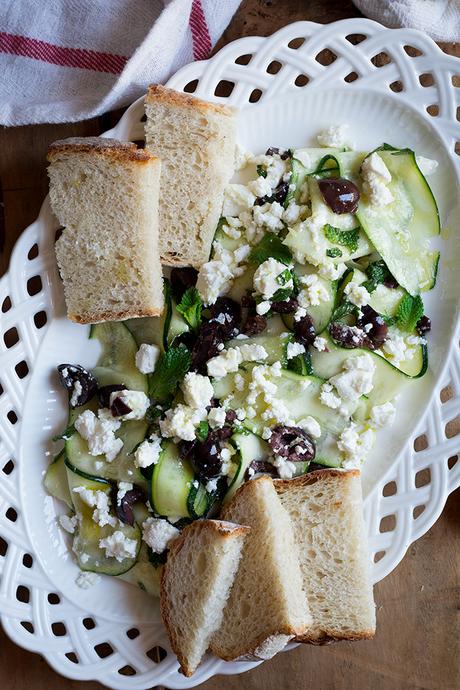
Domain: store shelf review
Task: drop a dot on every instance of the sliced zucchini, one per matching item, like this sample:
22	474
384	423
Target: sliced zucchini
250	447
117	361
199	501
171	483
144	575
400	230
89	555
148	330
55	480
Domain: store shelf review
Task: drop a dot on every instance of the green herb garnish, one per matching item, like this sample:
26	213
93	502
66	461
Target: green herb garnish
270	247
261	171
301	364
169	372
202	431
344	309
410	311
333	253
284	277
190	308
346	238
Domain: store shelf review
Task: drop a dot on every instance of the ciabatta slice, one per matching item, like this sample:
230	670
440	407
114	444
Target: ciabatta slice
196	143
105	194
326	510
267	606
195	585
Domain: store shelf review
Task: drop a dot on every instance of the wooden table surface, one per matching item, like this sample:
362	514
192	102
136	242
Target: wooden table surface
418	642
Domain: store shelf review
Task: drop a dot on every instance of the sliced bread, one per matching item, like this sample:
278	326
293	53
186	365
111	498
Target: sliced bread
326	510
196	143
105	194
195	585
266	606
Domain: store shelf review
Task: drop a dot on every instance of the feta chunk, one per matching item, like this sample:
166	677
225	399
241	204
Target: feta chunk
383	415
286	468
263	307
137	401
148	452
147	357
157	533
76	392
266	278
181	422
216	417
328	398
99	433
320	343
355	442
335	136
211	485
311	426
356	379
427	166
225	363
118	546
314	292
85	579
357	294
293	349
269	216
123	488
214	279
197	390
376	177
69	524
237	198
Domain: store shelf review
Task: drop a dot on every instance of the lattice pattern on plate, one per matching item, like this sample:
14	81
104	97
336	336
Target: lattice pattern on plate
399	509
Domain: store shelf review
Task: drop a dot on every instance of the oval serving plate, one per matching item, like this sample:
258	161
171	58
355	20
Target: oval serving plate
32	408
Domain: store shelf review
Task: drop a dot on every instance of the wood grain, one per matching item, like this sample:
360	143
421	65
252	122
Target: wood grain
417	645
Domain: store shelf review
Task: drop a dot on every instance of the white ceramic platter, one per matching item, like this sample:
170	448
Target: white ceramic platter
113	632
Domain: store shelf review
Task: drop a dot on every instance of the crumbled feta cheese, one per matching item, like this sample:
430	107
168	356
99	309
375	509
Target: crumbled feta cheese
242	157
216	417
181	421
76	392
147	357
85	580
239	382
328	398
395	349
269	216
357	294
211	485
383	415
118	546
335	136
231	232
263	307
427	166
158	533
266	433
197	390
356	379
240	414
311	426
293	349
286	468
314	292
293	212
148	452
320	344
237	198
214	279
99	433
100	501
261	186
252	353
355	442
136	400
225	363
69	524
332	271
123	488
266	281
376	177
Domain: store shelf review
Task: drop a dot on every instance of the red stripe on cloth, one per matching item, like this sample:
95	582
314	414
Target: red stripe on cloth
200	34
57	55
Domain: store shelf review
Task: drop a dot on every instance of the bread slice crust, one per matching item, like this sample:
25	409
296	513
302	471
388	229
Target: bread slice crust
221	528
156	93
111	148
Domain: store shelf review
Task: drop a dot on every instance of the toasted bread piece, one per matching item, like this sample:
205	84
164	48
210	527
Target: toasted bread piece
195	585
196	143
267	606
105	194
326	510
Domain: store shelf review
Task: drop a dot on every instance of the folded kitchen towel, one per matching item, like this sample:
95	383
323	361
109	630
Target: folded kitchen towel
440	19
67	60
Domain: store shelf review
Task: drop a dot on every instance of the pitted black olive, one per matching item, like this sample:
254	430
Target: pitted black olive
260	467
181	280
206	458
341	195
285	307
374	327
124	507
304	330
104	393
423	325
292	443
119	408
209	338
227	313
71	375
255	324
349	337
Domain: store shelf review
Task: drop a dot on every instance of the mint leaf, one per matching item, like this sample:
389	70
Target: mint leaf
284	277
261	171
202	431
301	364
346	238
344	309
282	295
169	372
333	253
378	272
190	307
410	311
270	246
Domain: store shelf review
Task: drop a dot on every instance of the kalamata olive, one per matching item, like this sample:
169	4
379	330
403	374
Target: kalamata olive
186	448
255	324
80	384
206	459
181	280
227	313
341	195
374	327
260	467
391	282
206	345
349	337
284	155
123	508
119	408
279	194
285	307
424	325
304	330
188	338
248	301
230	417
292	443
104	393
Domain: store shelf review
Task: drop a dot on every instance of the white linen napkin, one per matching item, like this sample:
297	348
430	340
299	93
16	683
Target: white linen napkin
68	60
440	19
